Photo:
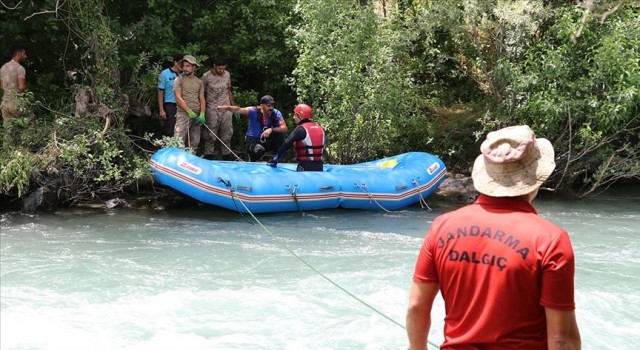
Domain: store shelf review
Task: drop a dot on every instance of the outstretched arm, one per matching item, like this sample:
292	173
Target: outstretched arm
234	109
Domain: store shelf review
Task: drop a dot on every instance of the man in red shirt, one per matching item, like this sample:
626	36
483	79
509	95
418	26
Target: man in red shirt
505	274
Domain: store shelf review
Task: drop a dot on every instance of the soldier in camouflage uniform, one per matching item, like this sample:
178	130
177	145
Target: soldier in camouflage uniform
217	90
12	82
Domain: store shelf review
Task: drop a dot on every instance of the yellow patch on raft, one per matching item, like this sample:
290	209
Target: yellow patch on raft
389	163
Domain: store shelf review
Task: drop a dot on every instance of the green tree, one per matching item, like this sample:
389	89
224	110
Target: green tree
86	151
350	69
584	96
383	77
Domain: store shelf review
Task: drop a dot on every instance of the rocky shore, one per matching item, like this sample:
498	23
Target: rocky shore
456	190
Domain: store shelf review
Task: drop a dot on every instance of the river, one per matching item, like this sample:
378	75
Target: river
207	278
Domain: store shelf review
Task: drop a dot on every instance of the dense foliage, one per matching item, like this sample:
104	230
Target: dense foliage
384	77
350	67
585	96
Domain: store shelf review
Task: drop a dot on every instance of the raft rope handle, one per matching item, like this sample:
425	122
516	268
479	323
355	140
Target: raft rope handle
286	247
224	144
246	188
233	197
293	191
423	202
371	199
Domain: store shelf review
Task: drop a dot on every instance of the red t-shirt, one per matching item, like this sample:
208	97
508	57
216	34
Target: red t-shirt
498	265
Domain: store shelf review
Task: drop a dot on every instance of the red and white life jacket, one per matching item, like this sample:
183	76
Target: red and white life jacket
312	146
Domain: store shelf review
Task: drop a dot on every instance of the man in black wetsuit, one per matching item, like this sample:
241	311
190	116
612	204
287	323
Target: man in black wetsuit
307	139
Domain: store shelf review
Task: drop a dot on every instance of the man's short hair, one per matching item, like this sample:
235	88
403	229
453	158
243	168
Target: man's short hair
220	61
177	57
15	48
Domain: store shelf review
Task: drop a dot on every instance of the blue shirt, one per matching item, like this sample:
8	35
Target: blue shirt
165	83
256	126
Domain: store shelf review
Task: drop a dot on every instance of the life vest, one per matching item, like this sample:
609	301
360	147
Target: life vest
258	122
266	121
312	146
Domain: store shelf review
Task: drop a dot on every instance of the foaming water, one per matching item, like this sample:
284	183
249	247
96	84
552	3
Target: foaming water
211	279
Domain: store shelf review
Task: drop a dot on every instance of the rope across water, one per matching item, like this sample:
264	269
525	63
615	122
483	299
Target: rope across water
286	247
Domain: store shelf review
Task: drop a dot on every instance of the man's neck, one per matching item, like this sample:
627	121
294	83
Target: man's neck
175	69
265	113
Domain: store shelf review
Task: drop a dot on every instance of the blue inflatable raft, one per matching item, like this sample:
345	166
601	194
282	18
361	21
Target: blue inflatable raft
385	184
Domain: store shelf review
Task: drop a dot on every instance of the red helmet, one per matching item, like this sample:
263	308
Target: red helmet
303	110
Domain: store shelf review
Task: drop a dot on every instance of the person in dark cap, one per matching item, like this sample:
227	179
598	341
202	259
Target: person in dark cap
506	274
266	127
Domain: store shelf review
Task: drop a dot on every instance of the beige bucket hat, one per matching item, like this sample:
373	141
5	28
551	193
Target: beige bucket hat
513	162
190	59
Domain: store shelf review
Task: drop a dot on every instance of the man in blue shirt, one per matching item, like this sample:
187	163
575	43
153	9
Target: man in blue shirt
166	99
266	127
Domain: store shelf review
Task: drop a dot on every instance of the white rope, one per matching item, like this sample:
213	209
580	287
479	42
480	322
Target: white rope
423	202
364	188
224	144
284	245
290	251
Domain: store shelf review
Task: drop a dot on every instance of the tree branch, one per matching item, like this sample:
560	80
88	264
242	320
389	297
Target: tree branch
590	8
583	20
613	9
58	6
10	8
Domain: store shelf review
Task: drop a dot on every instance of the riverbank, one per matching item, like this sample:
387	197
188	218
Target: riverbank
455	190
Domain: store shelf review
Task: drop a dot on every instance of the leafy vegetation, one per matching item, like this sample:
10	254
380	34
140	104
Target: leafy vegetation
350	68
384	77
584	96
